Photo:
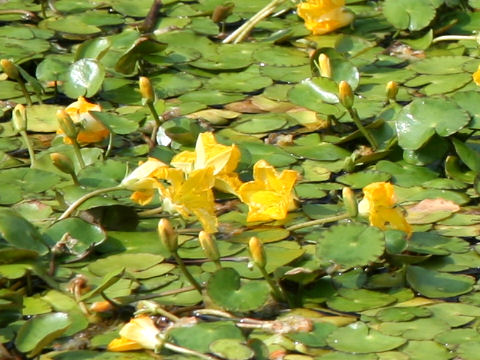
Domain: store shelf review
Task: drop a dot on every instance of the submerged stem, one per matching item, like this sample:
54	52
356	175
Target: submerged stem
356	119
318	222
29	146
185	272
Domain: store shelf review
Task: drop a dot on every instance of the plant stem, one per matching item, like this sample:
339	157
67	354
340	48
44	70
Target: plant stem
354	115
157	119
29	146
185	272
78	153
318	221
182	350
277	293
109	146
149	212
25	91
454	37
242	32
85	197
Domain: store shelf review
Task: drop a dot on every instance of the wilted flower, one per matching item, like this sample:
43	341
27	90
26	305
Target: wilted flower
324	16
270	195
143	181
139	333
378	204
209	153
91	130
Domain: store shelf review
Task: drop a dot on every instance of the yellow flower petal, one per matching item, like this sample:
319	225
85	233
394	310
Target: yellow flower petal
378	203
270	195
92	130
476	76
143	331
323	16
184	161
122	344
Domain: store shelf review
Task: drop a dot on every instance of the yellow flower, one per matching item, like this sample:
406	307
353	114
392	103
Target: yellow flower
378	203
270	195
143	181
324	16
476	76
190	194
91	130
208	153
139	333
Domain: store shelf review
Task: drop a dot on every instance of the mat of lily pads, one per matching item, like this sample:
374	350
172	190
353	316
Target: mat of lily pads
244	179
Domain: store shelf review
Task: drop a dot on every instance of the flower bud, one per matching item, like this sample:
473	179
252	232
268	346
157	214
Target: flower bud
209	246
66	124
63	163
167	235
101	306
350	201
257	252
346	94
221	12
146	89
392	90
19	118
325	67
10	69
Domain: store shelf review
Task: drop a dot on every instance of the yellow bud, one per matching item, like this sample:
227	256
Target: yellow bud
63	163
345	94
19	118
10	69
325	67
66	124
350	201
167	235
221	12
209	246
392	90
257	252
146	89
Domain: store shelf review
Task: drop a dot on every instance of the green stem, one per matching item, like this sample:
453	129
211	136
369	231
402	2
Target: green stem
29	146
185	272
85	197
157	119
25	91
78	153
242	32
453	38
354	115
150	212
276	290
185	351
318	222
109	146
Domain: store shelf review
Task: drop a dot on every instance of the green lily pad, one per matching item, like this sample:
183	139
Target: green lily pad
315	338
244	81
455	314
276	156
458	337
355	300
42	118
399	314
426	350
225	289
187	336
408	14
226	57
322	151
469	350
470	102
422	118
435	244
131	263
439	84
280	56
361	179
419	329
71	24
52	68
211	97
40	331
438	65
83	235
359	338
260	123
232	349
350	245
435	284
84	78
313	91
169	84
116	124
286	73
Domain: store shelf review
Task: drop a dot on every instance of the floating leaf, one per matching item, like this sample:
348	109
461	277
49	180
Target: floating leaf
435	284
359	338
84	78
408	14
350	245
232	349
226	290
355	300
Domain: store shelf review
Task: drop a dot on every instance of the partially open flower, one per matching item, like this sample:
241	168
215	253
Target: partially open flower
270	195
139	333
91	130
378	204
476	76
143	181
324	16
